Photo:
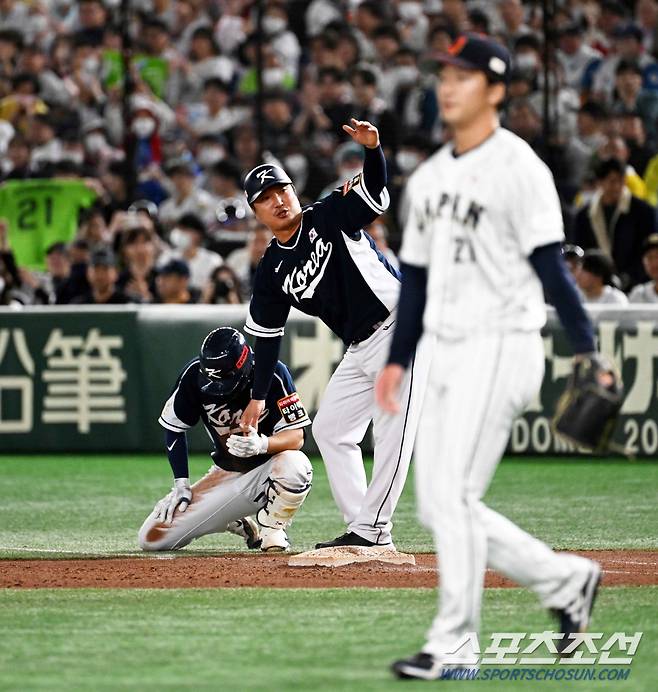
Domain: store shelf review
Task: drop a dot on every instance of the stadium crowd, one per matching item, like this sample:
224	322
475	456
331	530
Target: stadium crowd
72	232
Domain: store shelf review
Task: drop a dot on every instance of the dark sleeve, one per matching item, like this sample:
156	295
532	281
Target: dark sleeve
559	285
268	309
183	407
286	409
266	355
409	321
360	200
176	444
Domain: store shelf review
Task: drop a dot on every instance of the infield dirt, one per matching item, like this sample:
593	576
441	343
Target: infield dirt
620	568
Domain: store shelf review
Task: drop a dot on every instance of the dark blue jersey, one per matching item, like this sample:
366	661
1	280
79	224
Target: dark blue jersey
221	416
330	268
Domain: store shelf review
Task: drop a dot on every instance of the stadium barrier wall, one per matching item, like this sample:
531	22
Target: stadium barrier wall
95	378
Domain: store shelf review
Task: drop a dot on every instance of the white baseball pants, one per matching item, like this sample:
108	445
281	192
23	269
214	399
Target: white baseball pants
347	407
477	387
223	496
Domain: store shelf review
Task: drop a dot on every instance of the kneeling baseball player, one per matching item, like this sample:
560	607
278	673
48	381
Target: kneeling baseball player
254	473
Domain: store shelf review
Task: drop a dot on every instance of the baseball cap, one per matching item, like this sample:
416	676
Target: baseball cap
262	178
175	266
475	52
650	243
102	257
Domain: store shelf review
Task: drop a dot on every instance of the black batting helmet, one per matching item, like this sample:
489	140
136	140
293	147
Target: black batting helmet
225	362
261	178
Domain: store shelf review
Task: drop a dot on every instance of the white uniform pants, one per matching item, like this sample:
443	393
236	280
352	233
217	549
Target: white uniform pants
224	496
347	407
477	387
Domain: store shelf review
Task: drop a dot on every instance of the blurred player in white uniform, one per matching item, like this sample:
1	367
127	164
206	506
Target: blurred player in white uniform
481	241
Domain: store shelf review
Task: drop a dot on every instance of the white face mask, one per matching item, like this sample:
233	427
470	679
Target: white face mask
407	161
143	127
406	74
210	156
95	142
410	11
296	164
273	76
180	239
273	25
91	64
526	61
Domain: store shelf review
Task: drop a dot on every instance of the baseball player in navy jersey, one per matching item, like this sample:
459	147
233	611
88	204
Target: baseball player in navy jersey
322	263
261	473
482	239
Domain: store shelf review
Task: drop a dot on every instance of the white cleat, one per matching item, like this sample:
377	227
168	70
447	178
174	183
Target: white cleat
274	540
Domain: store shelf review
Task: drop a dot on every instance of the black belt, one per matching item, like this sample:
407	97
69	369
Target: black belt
366	334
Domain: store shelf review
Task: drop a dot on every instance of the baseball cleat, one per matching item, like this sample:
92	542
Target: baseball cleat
349	538
247	529
274	541
421	666
575	617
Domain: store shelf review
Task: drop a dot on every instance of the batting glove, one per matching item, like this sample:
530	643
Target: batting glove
250	445
178	499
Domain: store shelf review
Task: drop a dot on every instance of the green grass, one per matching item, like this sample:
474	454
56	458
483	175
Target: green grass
253	639
75	505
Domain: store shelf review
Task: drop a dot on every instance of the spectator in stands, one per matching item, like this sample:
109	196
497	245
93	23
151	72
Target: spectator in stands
616	223
173	284
187	239
513	15
627	40
648	292
631	129
573	257
205	62
413	24
102	275
16	165
138	254
244	261
575	56
368	106
58	271
630	97
327	108
283	41
186	197
277	122
223	288
595	278
588	139
216	115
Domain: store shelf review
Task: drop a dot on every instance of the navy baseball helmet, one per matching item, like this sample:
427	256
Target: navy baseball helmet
225	362
263	177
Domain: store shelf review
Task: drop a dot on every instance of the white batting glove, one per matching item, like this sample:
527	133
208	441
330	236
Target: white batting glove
178	499
250	445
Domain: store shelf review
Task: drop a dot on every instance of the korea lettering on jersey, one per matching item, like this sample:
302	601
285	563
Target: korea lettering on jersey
188	404
330	268
473	220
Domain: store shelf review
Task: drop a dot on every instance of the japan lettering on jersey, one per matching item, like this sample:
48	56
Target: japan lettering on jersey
474	220
330	268
187	405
